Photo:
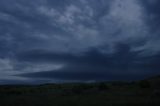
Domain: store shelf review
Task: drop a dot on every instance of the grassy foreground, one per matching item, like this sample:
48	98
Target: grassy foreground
141	93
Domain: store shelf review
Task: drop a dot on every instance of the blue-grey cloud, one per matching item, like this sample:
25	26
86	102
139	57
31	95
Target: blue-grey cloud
93	65
44	36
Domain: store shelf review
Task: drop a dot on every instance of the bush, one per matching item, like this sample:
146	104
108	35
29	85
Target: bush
156	93
102	86
144	84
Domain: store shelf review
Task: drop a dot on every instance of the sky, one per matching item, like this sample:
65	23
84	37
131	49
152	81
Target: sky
49	41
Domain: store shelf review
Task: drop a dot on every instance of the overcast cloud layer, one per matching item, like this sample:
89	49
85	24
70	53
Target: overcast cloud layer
45	41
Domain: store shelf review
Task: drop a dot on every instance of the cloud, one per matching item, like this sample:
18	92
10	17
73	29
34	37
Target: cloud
5	64
123	21
7	70
152	1
44	36
94	65
77	26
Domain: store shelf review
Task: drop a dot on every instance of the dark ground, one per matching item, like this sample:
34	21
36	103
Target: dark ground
139	93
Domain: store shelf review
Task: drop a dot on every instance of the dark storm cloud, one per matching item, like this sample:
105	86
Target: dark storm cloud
93	65
152	7
79	39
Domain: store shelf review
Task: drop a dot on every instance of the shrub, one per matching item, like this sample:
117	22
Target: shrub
144	84
156	93
102	86
82	88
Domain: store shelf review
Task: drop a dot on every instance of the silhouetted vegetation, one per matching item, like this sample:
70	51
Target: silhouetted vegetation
140	93
103	86
144	84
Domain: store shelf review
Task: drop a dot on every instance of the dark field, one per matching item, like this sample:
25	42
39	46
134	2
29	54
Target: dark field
139	93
